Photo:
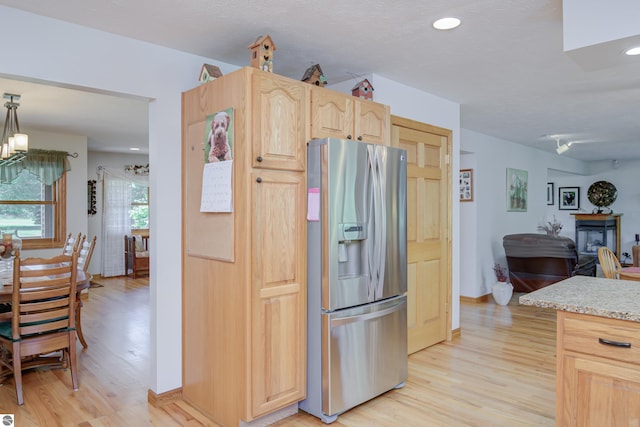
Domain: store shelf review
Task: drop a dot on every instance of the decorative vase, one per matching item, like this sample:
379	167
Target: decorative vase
10	243
502	292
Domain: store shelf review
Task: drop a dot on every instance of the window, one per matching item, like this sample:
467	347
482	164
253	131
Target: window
139	207
36	211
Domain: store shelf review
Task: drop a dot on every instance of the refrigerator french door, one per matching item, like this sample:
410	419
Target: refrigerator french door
357	274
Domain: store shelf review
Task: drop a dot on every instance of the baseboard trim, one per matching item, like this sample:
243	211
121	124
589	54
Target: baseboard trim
477	300
456	333
157	400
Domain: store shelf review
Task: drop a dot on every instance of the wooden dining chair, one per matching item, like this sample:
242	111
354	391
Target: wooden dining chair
42	321
84	259
609	263
136	259
71	244
85	252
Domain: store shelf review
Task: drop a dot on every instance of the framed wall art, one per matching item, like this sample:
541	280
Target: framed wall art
517	190
550	193
466	185
569	198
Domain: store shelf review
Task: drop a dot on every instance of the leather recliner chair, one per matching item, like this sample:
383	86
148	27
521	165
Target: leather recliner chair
539	260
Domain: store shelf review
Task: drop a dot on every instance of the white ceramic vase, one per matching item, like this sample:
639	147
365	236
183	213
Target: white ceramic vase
502	292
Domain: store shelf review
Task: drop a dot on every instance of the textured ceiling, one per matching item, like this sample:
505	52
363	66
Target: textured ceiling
505	64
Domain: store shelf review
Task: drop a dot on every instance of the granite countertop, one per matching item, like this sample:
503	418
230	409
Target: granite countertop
617	299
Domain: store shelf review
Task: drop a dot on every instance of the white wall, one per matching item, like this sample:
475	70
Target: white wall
76	181
110	160
625	177
492	221
53	51
468	235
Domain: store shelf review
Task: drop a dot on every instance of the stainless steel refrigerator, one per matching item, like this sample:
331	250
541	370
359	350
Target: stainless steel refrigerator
357	274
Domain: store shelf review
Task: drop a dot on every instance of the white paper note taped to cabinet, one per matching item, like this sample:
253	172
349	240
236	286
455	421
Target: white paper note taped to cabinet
217	194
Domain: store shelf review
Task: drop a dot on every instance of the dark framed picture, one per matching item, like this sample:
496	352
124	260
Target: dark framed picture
466	185
550	193
569	198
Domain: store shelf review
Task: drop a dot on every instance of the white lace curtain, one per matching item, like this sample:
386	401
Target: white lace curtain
116	220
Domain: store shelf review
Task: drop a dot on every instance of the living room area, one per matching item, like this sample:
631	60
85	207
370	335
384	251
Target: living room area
486	219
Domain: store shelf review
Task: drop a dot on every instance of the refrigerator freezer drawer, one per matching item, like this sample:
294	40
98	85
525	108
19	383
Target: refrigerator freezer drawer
365	353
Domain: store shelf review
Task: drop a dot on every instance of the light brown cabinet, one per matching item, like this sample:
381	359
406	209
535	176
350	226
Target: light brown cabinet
334	114
279	302
280	111
244	272
598	378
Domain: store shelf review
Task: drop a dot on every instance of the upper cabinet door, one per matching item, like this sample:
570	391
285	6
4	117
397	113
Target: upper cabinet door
280	111
331	114
335	114
372	122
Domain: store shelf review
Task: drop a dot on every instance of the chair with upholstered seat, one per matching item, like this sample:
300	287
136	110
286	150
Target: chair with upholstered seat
136	256
42	317
539	260
609	263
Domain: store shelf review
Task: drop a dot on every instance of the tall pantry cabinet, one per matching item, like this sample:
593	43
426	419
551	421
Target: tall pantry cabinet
244	272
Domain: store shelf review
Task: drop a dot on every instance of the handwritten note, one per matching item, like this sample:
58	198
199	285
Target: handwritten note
217	193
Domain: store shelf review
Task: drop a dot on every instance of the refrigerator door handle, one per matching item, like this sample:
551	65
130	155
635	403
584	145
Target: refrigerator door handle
362	317
381	223
373	227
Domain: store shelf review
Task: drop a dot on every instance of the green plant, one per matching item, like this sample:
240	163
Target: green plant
552	228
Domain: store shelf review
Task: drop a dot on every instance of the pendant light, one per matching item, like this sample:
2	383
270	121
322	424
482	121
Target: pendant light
14	143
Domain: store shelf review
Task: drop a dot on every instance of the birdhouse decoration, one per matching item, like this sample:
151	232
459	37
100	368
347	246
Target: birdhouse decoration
209	72
262	53
314	76
363	90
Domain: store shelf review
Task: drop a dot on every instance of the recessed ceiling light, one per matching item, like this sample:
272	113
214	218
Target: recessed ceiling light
446	23
633	51
134	149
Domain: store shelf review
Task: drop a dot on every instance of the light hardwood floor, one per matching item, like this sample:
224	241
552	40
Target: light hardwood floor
500	371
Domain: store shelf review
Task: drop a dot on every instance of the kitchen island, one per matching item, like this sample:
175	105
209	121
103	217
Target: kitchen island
598	349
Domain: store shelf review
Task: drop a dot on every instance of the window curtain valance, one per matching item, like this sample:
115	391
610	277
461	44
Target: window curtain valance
47	165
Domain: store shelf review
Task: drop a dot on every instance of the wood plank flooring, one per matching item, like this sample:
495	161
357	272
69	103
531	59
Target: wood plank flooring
500	371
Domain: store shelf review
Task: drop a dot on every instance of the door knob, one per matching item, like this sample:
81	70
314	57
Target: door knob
349	137
259	158
258	180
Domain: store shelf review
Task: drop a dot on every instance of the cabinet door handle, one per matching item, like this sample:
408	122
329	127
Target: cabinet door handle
259	158
258	180
614	343
349	137
360	138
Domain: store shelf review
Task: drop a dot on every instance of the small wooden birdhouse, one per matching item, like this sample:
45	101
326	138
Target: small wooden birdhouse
262	53
209	72
314	76
363	90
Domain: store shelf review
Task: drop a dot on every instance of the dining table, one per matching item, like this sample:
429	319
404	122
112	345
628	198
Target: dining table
629	273
83	280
